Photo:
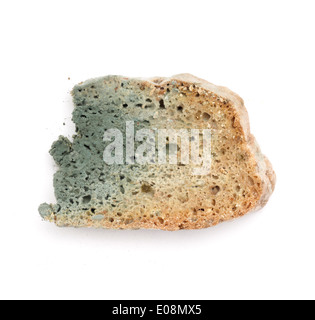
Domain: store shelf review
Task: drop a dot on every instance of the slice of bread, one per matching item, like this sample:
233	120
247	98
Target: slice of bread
91	192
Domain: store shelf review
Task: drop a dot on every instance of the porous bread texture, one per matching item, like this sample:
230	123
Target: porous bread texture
91	193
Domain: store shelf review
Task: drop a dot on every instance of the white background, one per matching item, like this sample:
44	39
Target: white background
263	50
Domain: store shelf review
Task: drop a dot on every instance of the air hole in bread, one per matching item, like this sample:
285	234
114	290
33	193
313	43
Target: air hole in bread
198	115
146	188
86	199
205	116
251	180
162	105
161	220
215	190
128	221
